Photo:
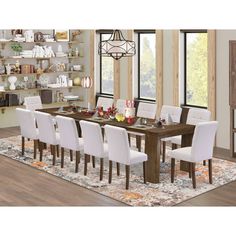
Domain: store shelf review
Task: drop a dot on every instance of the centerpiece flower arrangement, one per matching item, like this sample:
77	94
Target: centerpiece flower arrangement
111	112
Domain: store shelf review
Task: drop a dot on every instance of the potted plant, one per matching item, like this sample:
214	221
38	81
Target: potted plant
17	48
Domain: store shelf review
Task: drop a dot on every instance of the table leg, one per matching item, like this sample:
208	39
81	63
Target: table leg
186	142
152	148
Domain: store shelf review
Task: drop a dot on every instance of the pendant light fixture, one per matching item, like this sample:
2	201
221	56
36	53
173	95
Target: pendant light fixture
117	46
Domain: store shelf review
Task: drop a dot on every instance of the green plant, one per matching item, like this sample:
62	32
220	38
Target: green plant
16	47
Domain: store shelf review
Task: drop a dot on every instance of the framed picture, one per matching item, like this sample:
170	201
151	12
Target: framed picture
62	35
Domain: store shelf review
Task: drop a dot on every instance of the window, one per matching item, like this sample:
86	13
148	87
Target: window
106	70
195	57
147	65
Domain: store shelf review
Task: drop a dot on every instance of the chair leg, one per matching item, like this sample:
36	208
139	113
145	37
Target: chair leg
190	169
53	152
210	170
41	145
129	138
62	157
22	145
127	173
172	170
71	155
144	172
101	169
35	148
110	172
204	162
118	168
193	175
58	152
93	161
174	146
164	151
77	161
138	142
85	163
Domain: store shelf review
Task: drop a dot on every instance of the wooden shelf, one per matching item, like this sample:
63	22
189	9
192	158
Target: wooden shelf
73	42
56	72
38	58
37	89
50	105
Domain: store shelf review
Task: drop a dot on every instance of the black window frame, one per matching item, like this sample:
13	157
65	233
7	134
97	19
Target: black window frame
185	32
139	32
101	32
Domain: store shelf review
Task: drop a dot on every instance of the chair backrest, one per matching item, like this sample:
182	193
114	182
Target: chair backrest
147	110
173	111
47	133
203	141
118	144
27	123
69	137
93	140
33	103
121	105
196	115
104	102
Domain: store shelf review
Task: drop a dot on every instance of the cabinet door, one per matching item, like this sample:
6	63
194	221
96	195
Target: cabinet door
232	73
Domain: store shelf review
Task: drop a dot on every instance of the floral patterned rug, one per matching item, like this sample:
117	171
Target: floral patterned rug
163	194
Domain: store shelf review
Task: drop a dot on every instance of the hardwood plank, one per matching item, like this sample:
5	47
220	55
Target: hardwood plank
211	51
130	96
175	47
159	70
92	90
116	79
24	185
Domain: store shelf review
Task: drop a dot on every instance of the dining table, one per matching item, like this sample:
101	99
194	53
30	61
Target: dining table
153	134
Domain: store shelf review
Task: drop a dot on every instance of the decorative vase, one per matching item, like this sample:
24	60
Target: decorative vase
8	69
12	80
77	81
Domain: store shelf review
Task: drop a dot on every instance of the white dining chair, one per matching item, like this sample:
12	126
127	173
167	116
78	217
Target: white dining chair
69	139
33	103
201	150
121	105
148	111
195	116
47	134
27	128
120	152
167	112
93	144
105	102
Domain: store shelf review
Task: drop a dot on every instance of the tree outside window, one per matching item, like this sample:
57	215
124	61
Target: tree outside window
196	83
147	66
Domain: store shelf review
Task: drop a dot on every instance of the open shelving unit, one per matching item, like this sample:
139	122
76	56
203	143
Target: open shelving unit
68	59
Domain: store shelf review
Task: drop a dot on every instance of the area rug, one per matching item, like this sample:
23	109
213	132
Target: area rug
164	193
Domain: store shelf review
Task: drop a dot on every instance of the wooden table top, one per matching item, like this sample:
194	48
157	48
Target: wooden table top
164	131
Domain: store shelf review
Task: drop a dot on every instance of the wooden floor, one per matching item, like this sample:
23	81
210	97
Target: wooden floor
22	185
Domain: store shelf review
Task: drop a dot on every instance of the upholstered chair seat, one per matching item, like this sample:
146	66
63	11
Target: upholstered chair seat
201	150
120	152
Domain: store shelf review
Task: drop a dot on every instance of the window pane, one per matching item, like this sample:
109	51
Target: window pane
107	71
196	77
147	80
